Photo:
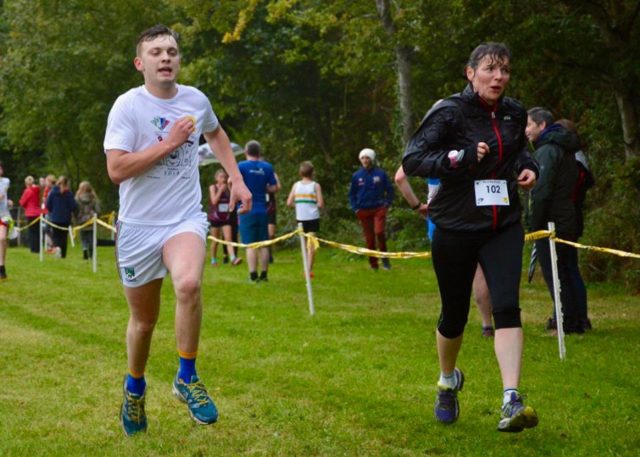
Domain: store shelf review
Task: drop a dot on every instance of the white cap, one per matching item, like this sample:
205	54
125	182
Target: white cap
366	152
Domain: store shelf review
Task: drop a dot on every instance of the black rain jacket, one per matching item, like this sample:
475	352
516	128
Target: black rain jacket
461	121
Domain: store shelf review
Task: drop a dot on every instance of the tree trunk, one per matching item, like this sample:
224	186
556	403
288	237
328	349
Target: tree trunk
403	68
629	115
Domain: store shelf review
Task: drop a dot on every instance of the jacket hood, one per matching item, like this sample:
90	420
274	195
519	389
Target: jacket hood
556	134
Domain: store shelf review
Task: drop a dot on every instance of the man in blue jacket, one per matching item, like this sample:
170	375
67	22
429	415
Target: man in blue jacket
370	195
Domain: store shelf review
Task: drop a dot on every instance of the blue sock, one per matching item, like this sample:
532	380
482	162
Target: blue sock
187	369
136	385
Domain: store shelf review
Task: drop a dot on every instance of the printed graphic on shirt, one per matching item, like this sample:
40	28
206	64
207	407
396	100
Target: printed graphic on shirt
180	160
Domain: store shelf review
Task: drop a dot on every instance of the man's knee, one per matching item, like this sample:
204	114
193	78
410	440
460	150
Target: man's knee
143	327
187	286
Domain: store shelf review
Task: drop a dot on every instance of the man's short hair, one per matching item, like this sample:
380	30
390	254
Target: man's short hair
253	149
540	115
154	32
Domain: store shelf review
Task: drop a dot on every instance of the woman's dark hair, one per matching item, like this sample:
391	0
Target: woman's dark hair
497	51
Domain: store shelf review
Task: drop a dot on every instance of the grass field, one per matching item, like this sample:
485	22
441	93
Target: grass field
357	379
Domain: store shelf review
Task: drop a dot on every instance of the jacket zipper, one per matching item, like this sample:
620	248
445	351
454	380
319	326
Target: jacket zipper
494	124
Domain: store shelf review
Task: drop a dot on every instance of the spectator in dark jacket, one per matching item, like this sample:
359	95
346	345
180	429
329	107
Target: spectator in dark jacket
584	182
370	196
30	201
61	205
551	201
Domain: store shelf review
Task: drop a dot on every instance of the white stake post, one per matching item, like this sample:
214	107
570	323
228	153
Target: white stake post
556	293
305	264
73	244
94	252
41	234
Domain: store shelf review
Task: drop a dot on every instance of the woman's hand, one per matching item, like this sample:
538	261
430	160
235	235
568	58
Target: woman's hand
482	150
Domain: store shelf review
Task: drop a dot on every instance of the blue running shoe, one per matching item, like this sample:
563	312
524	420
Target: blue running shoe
516	417
446	408
132	415
194	394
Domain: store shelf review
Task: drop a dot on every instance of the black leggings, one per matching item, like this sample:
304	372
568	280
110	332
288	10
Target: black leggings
455	257
60	240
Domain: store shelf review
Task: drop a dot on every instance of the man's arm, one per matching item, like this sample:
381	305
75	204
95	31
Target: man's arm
219	143
122	165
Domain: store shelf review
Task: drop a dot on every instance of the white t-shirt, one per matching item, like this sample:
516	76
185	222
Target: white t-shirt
169	191
306	198
4	187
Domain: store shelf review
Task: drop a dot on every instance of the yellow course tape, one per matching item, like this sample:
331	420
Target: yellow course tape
37	219
314	242
258	244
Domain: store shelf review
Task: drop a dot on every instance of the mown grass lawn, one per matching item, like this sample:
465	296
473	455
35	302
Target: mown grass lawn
357	379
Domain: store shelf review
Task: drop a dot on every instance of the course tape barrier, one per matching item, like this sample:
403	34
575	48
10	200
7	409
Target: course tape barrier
257	244
99	220
314	242
33	222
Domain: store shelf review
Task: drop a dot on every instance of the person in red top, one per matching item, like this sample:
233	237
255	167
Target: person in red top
30	201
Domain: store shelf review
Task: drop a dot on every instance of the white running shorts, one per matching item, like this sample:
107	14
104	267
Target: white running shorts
139	248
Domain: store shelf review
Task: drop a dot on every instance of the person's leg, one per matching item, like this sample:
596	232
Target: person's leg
544	259
248	228
63	241
215	232
568	295
3	250
379	227
579	289
271	228
227	232
454	261
144	307
60	240
501	260
365	217
34	235
483	301
184	255
264	253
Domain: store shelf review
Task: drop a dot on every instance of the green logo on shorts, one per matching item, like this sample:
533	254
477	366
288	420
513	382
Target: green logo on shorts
130	273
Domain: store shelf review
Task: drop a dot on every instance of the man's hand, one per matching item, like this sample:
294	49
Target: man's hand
527	179
240	193
180	131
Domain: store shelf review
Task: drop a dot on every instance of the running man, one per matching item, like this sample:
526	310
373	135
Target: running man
151	148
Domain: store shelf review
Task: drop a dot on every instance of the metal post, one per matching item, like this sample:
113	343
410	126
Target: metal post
305	264
556	292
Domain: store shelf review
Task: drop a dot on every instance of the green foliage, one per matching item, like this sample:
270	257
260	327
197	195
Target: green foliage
313	80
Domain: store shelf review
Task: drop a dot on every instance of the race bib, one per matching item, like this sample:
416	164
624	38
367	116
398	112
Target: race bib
223	207
490	192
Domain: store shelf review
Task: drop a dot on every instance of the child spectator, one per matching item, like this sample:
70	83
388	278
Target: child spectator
221	217
306	196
